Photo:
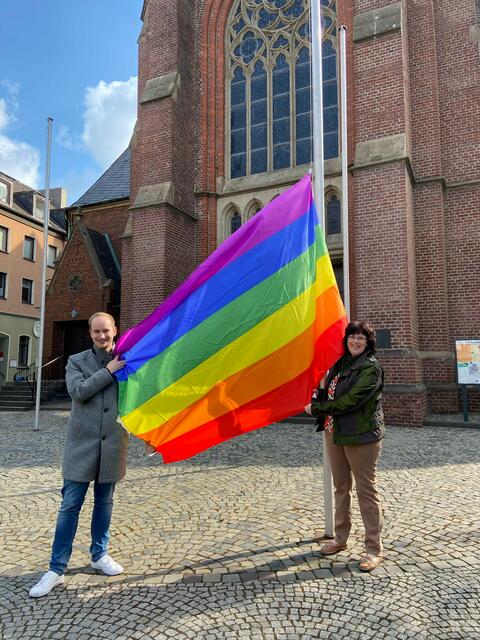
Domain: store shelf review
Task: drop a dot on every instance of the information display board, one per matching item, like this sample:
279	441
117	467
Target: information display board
468	361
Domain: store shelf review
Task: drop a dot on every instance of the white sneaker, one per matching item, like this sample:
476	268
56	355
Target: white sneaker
46	584
108	566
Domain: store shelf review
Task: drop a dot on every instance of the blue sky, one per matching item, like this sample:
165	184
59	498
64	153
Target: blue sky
76	61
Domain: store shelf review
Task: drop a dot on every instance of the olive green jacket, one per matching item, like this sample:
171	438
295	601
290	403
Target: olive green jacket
357	407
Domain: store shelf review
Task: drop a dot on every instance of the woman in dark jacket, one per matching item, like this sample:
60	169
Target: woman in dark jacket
349	409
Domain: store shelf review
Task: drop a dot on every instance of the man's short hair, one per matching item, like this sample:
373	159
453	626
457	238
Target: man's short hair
101	313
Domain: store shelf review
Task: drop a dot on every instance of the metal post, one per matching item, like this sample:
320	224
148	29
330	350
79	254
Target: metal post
465	402
317	110
318	165
343	93
46	216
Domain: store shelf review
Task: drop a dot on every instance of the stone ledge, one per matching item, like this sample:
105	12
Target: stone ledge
154	195
405	388
377	22
161	87
415	353
474	33
380	151
278	178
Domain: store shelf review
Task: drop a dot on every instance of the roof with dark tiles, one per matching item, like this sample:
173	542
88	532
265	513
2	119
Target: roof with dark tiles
58	216
22	202
106	254
114	184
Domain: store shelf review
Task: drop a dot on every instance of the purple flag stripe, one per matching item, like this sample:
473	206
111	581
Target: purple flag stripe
279	213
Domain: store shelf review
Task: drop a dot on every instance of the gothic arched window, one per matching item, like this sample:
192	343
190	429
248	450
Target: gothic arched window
269	85
253	209
334	216
235	222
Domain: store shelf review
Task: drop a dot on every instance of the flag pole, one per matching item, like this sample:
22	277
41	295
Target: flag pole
46	216
343	93
318	190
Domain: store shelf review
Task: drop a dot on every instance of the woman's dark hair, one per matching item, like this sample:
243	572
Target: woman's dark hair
360	327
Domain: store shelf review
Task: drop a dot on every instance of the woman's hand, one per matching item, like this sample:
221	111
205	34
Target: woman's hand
308	408
116	364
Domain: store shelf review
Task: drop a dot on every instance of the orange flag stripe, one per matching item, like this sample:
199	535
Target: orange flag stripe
258	379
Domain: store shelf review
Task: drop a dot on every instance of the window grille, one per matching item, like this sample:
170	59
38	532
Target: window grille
269	85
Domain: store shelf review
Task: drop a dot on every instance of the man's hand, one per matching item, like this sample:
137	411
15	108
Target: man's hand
116	364
308	408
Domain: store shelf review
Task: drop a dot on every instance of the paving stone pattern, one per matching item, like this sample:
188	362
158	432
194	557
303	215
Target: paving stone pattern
226	545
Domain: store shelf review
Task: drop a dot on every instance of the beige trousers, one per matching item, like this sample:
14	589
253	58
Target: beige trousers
359	462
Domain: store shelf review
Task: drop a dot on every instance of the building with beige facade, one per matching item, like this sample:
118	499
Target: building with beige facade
21	260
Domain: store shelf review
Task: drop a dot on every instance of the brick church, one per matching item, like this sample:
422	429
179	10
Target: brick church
224	125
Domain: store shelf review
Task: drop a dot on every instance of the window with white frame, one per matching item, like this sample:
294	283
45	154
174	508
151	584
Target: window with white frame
52	255
29	248
4	239
3	285
23	351
39	208
27	291
4	192
269	123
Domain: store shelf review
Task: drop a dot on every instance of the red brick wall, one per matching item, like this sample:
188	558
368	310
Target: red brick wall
414	238
212	19
163	152
459	88
109	219
61	300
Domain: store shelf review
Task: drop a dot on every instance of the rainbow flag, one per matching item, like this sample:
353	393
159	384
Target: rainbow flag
243	341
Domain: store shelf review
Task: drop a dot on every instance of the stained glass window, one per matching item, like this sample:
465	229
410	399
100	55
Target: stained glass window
334	224
235	222
338	271
269	80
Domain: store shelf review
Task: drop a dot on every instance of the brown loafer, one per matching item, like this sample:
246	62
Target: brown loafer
369	563
331	547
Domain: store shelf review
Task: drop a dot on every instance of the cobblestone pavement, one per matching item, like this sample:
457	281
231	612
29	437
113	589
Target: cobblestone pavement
224	545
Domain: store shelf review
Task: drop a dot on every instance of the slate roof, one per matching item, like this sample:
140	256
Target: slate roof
114	184
22	203
106	254
58	216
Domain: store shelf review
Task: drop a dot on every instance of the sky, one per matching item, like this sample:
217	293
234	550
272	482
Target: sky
76	62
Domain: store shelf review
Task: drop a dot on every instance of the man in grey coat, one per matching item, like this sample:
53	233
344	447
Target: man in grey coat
95	451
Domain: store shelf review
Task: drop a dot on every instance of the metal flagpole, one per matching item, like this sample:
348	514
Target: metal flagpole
46	216
343	92
318	166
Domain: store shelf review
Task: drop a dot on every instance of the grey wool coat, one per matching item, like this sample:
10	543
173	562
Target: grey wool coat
96	442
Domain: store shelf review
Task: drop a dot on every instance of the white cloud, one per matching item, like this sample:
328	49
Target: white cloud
109	118
4	117
20	161
12	89
69	140
17	159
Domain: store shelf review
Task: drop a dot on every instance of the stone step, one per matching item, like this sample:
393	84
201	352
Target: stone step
20	385
12	405
12	391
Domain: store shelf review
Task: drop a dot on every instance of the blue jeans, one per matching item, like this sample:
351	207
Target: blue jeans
73	494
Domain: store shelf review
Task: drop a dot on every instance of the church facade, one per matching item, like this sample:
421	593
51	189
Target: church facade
224	125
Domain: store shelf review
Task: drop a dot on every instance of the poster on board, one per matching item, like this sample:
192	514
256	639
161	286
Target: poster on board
468	361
